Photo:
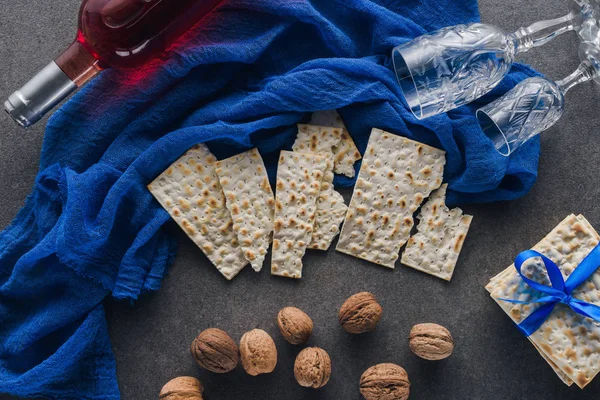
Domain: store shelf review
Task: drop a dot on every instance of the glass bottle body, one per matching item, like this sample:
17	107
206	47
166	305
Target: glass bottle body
127	33
111	34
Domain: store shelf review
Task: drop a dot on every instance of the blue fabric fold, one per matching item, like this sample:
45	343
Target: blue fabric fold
241	78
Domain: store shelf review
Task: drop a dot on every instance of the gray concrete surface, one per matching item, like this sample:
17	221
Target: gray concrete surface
492	359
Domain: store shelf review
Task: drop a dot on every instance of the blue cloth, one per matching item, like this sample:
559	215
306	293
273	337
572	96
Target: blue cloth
241	78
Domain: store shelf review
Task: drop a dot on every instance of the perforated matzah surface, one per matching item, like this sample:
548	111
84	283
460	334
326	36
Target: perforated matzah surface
250	200
190	191
316	139
299	179
331	208
396	175
435	248
346	153
331	211
569	340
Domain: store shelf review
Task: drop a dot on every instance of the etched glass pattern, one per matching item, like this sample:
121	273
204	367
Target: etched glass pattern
531	107
452	67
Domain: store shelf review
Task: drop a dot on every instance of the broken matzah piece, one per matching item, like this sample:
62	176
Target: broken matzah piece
190	191
434	249
331	211
315	139
299	179
331	208
250	200
346	153
396	175
569	341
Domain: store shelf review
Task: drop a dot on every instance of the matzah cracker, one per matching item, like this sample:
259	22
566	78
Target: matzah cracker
299	179
250	200
563	377
397	174
315	139
190	191
345	154
569	340
331	208
331	211
435	248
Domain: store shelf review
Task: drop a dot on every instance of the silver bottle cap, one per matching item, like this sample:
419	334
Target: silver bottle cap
44	91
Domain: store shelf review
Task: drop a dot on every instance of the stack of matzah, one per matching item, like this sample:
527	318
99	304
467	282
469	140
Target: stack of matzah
331	209
569	341
299	179
308	210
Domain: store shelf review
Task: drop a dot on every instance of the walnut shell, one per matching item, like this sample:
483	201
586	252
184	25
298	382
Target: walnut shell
312	367
431	341
385	382
295	326
258	352
215	351
182	388
360	313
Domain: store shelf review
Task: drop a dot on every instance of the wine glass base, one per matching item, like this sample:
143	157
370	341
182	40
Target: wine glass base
588	13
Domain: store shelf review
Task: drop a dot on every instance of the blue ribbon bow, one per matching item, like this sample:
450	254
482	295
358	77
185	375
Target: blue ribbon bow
560	292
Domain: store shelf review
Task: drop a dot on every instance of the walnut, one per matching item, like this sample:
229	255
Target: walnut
431	341
385	382
360	313
258	352
295	326
312	367
182	388
214	350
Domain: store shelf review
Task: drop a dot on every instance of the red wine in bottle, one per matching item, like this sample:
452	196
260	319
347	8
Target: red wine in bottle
111	34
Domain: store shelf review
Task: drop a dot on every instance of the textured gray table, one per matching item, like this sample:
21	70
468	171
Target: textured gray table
492	359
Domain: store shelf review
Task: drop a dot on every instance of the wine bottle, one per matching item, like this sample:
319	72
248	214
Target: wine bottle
111	34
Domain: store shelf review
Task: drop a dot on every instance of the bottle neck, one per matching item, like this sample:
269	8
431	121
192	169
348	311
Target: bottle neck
52	85
542	32
78	63
585	72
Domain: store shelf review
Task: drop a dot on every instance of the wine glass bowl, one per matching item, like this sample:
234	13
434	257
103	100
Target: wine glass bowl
452	67
534	105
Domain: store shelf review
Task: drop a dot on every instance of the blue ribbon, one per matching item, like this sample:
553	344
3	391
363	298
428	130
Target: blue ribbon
560	292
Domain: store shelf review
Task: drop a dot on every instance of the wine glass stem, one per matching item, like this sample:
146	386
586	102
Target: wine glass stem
584	73
542	32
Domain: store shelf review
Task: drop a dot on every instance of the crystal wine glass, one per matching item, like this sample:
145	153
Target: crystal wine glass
451	67
534	105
